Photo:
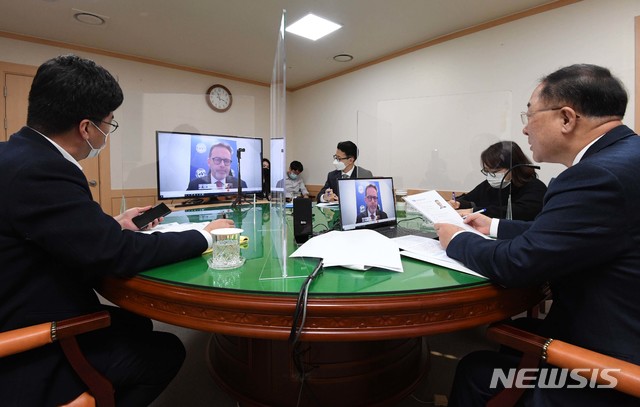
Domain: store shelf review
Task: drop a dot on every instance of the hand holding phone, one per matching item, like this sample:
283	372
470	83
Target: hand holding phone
147	217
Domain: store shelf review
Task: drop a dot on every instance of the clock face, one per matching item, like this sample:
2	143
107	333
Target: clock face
219	98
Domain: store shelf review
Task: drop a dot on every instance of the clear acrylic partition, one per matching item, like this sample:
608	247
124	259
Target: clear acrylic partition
278	266
132	151
132	148
441	136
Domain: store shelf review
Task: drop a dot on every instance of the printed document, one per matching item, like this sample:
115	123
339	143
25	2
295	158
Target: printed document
355	249
430	251
435	208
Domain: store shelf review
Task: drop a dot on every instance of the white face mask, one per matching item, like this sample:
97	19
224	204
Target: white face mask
95	151
495	181
339	165
293	176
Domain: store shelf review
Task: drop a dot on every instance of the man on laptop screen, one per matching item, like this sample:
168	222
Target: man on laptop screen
372	210
367	203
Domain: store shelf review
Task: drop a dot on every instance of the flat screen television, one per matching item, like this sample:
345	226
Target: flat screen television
192	166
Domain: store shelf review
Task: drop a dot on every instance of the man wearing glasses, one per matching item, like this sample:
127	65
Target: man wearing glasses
219	175
372	211
56	244
584	242
344	160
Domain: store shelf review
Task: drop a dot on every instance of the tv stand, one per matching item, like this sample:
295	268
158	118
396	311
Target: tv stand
195	202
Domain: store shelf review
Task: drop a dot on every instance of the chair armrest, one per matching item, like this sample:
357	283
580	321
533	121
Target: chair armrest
30	337
568	356
516	338
23	339
84	323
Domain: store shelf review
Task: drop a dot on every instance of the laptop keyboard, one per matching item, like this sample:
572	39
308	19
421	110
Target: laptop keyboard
393	231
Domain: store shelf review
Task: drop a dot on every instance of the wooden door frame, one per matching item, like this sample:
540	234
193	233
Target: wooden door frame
104	159
15	69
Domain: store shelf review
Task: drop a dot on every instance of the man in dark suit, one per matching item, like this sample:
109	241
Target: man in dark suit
584	242
219	176
344	160
372	211
56	244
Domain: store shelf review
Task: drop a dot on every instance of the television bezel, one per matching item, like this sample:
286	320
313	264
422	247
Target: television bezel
194	195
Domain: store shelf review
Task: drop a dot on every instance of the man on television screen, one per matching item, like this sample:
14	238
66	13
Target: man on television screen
219	176
373	211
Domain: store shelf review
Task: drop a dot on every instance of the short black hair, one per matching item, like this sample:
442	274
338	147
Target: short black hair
296	165
68	89
590	90
349	148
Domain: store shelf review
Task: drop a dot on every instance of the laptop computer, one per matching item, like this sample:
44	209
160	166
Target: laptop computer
369	203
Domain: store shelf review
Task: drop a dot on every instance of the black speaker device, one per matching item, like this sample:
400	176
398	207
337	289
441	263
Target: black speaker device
302	221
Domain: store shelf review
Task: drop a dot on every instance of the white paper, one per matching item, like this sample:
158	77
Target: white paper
435	208
176	227
327	204
430	251
356	249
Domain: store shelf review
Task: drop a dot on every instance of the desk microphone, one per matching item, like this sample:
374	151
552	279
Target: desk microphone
508	215
238	199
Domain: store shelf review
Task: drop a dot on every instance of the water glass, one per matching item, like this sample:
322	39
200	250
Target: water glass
226	249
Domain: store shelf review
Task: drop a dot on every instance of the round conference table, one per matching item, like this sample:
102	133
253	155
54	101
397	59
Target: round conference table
364	338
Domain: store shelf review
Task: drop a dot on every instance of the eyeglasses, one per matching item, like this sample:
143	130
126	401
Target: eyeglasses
524	116
218	160
335	157
372	197
114	124
490	173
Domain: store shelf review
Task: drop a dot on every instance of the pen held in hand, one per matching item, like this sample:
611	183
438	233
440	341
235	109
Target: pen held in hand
483	210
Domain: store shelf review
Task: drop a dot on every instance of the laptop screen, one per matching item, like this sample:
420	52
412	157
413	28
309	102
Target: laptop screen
367	203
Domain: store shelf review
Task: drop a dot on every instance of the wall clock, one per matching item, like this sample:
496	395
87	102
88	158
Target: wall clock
219	98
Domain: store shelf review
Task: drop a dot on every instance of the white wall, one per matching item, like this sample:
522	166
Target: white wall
158	98
495	69
501	65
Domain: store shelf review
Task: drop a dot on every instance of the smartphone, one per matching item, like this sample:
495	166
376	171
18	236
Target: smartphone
147	217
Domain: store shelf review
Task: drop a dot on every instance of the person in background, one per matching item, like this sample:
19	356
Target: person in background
294	185
266	178
56	244
522	184
584	242
372	212
219	175
344	160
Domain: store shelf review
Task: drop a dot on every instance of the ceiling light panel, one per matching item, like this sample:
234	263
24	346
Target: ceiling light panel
312	27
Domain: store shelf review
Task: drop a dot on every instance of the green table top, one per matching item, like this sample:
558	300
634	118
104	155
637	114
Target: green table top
262	273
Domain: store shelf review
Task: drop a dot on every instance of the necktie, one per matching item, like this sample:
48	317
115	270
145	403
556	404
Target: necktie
345	175
219	184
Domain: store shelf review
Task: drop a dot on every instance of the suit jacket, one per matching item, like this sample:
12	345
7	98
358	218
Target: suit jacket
55	245
231	180
365	214
585	242
335	175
